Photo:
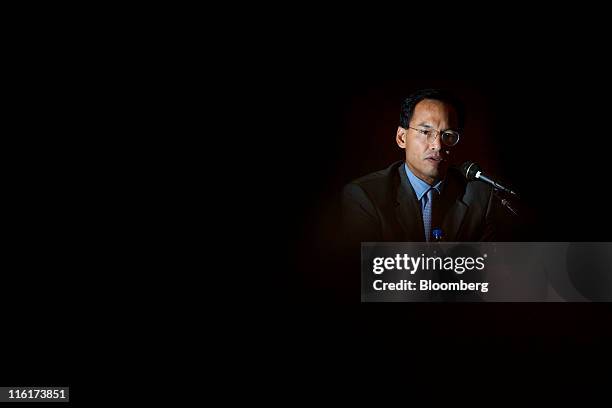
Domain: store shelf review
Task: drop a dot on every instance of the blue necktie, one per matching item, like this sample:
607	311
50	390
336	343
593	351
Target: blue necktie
428	198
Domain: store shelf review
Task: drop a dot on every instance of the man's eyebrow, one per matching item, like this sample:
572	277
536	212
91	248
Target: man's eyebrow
424	124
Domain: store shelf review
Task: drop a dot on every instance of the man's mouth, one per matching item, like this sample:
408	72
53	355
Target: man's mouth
434	159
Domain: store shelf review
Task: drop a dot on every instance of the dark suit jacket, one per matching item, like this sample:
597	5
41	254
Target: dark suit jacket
383	206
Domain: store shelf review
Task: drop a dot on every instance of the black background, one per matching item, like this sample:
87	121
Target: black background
305	117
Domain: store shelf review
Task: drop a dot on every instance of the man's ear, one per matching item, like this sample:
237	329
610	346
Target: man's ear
400	137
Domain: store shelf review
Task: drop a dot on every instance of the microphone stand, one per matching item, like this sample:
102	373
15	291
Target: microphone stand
506	203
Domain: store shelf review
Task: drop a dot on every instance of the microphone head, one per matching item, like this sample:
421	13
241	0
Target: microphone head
469	170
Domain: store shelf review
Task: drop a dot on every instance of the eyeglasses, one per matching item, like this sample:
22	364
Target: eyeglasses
448	137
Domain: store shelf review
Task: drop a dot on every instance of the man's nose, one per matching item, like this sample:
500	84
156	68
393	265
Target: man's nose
436	143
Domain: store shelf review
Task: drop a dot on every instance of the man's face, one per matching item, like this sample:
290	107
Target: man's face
428	161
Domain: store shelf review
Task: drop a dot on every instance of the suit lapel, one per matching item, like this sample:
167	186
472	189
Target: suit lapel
454	219
408	209
452	205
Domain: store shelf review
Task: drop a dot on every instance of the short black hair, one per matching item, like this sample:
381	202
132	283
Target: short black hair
435	94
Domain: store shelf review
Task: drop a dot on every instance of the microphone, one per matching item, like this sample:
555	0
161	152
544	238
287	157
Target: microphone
472	171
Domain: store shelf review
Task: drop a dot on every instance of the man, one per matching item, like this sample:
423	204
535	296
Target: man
420	198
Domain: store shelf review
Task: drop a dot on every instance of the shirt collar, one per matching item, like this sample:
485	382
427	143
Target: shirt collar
420	187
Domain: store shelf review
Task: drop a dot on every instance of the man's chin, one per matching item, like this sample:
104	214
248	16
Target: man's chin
438	172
